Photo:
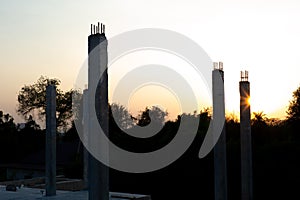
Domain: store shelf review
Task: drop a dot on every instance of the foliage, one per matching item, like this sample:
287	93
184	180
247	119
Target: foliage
152	115
293	111
121	116
275	154
6	121
122	123
32	101
19	141
259	119
30	124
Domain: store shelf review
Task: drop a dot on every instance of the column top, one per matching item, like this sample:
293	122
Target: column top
97	29
244	75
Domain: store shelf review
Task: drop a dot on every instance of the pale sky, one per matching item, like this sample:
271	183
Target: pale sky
50	39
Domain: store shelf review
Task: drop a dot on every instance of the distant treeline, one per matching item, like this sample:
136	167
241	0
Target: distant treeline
276	153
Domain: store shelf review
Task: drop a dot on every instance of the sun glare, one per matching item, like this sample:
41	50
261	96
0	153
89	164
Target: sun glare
249	101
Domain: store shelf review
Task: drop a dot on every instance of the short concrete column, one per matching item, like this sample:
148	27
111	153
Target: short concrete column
50	140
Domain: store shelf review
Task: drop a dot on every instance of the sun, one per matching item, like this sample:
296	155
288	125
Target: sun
248	101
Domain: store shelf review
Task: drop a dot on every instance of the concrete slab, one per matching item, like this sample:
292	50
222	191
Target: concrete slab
37	194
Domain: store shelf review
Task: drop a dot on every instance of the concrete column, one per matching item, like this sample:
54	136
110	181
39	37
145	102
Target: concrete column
50	140
220	164
246	144
98	172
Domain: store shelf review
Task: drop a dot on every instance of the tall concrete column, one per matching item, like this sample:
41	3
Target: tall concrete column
220	164
246	144
50	140
97	48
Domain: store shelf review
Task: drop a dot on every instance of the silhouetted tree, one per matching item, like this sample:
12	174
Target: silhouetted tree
121	116
7	137
6	118
7	124
294	107
144	118
259	119
293	117
31	124
232	118
32	100
154	115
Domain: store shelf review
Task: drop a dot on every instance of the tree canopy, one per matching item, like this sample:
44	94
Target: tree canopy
32	102
293	111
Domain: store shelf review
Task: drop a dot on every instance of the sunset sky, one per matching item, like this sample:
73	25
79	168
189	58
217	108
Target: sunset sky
50	39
